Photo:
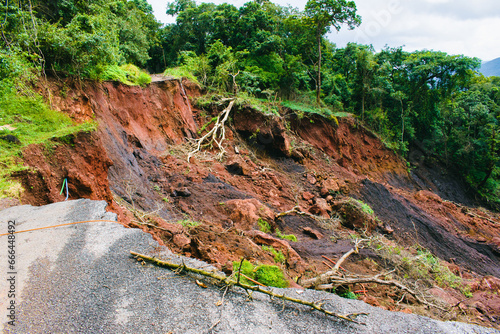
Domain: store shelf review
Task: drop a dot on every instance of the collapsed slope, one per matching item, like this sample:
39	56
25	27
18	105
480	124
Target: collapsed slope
273	164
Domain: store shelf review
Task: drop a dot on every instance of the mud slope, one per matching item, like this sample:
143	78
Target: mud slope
413	224
272	164
143	130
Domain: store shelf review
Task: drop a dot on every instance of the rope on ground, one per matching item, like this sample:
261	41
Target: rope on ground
42	228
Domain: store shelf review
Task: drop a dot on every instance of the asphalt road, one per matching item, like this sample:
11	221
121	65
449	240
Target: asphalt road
80	278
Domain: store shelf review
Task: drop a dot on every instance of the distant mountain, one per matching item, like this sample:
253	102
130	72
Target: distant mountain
491	68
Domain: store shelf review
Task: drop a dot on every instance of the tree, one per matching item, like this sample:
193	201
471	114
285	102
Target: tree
324	14
365	68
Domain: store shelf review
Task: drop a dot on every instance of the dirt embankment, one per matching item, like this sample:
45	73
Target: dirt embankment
214	210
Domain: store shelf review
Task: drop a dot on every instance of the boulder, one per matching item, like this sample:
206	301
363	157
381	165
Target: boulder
306	195
329	186
246	212
355	215
312	233
321	208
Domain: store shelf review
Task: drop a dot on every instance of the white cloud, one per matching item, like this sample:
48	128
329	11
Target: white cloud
455	27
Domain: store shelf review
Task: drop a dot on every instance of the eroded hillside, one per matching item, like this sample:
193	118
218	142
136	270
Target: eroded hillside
282	175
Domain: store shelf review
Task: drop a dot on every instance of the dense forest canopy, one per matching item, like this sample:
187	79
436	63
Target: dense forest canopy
428	99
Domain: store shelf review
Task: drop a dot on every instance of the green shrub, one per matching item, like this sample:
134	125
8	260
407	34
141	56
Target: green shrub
347	294
247	269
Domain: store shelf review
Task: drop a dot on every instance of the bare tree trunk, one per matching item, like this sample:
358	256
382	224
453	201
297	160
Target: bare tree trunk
363	106
318	83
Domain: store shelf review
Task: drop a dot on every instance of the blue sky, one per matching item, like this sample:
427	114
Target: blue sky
453	26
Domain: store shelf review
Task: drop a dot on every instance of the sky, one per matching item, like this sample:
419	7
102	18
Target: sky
454	26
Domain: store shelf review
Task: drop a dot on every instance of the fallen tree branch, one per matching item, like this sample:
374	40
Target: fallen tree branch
335	281
218	131
344	257
230	281
326	277
338	281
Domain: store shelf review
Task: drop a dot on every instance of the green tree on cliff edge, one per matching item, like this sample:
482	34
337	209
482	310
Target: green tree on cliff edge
324	14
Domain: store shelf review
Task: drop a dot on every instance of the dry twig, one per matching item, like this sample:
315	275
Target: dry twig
296	210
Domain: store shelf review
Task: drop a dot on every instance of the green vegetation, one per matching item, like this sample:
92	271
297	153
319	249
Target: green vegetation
180	73
364	207
265	274
25	119
346	293
271	57
128	74
278	255
289	237
420	265
264	225
188	223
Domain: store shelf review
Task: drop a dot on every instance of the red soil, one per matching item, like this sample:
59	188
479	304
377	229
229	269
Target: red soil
139	154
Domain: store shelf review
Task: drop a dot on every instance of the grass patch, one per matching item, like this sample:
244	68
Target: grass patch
289	237
263	105
364	207
265	274
180	73
263	225
31	121
188	223
128	74
278	255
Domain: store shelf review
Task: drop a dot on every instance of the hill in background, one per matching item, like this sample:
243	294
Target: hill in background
491	68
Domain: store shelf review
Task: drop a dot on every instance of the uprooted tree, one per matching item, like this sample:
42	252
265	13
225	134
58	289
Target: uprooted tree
216	135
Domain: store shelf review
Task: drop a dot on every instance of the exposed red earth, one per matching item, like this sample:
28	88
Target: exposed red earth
137	162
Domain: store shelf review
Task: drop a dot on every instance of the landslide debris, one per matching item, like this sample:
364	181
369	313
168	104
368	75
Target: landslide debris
337	181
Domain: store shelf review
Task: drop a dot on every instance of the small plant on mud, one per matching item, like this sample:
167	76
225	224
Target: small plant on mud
188	223
346	293
423	266
263	225
289	237
265	274
278	255
271	276
364	207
